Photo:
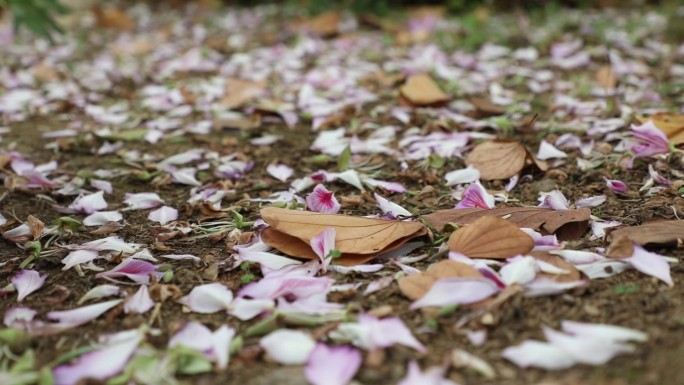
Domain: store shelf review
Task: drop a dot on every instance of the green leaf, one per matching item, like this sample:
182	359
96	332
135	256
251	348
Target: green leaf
25	363
344	159
190	361
263	327
130	135
45	376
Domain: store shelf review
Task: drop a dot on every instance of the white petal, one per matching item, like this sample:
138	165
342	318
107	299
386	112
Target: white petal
391	208
280	171
83	314
467	175
538	354
99	218
163	215
98	292
452	291
195	336
288	347
520	270
140	302
208	298
222	338
26	282
610	332
246	309
587	349
77	257
548	151
649	263
545	286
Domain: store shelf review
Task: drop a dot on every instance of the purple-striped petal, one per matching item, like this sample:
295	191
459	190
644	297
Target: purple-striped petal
27	282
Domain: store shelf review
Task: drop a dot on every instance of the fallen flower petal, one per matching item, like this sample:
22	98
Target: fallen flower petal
246	309
321	200
90	203
467	175
140	302
81	315
221	340
648	140
141	201
26	282
591	201
163	215
134	269
651	264
332	365
322	244
538	354
549	151
390	208
554	200
545	286
587	349
432	376
611	332
280	171
98	292
77	257
99	218
288	347
520	270
258	253
208	298
476	196
456	291
18	317
616	186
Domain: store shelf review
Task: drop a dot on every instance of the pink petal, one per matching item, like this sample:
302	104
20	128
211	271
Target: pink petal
657	177
101	185
477	337
476	196
83	314
134	269
387	332
99	218
280	171
208	298
432	376
611	332
295	286
321	200
538	354
26	282
140	302
378	284
391	208
651	264
163	215
453	291
221	340
577	257
288	347
587	349
322	244
394	187
18	317
102	363
616	186
332	365
142	201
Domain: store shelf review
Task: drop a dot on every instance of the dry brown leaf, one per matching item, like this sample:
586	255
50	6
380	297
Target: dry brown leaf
501	159
660	232
36	226
415	286
559	262
324	25
359	239
671	124
620	247
566	224
113	18
485	108
490	237
421	90
605	78
239	92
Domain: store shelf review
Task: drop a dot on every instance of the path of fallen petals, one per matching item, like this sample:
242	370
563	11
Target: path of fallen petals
125	96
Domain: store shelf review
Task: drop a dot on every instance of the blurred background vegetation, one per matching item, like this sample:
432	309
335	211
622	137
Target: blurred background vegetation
38	16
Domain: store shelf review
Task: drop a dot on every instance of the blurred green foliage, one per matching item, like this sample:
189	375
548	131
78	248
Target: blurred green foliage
35	15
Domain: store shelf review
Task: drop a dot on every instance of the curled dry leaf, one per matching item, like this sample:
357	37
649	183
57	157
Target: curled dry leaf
323	25
239	92
501	159
113	18
671	124
358	239
566	224
415	286
36	226
421	90
620	247
660	232
605	78
485	108
490	237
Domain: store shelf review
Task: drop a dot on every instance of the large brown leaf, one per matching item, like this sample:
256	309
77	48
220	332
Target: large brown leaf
660	232
566	224
421	90
359	239
490	237
501	159
415	286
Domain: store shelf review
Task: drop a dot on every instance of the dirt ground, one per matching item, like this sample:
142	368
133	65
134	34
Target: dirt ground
630	299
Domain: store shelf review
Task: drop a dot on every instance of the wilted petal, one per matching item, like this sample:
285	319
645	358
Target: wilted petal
521	270
321	200
288	347
18	317
616	186
134	269
90	203
141	201
651	264
391	208
603	269
598	228
140	302
648	140
163	215
591	201
102	363
453	291
332	365
538	354
357	269
554	200
81	315
280	171
208	298
185	176
26	282
587	349
610	332
577	257
98	292
99	218
476	196
19	235
467	175
548	151
77	257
